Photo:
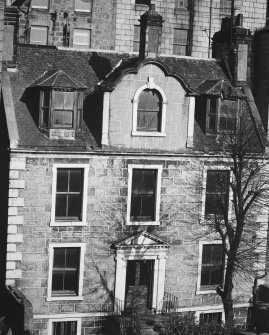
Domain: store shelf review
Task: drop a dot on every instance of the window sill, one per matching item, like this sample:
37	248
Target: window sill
141	7
40	7
142	223
62	298
148	133
180	11
68	223
198	292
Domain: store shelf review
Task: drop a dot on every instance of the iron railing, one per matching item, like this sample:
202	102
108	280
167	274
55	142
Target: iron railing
168	304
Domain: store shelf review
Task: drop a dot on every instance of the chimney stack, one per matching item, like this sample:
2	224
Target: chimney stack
150	33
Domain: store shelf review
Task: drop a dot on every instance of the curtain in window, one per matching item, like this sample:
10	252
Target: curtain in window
149	111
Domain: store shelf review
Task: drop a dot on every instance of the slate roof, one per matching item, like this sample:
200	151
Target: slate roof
36	66
57	79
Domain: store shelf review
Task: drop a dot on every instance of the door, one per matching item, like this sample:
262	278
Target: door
139	284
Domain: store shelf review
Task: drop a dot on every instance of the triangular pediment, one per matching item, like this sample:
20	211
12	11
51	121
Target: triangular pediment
142	239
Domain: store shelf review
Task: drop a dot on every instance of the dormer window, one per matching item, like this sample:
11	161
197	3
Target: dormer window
149	110
60	104
216	115
60	109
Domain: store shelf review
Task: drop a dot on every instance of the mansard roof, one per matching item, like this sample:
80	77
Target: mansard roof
141	239
90	71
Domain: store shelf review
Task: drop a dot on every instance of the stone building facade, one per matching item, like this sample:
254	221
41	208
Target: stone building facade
109	157
114	25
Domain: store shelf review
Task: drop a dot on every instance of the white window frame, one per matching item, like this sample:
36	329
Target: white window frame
36	27
52	246
40	7
149	85
200	290
208	311
220	168
64	318
83	222
158	168
82	10
82	46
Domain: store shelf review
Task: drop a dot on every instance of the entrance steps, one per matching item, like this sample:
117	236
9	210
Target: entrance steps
151	324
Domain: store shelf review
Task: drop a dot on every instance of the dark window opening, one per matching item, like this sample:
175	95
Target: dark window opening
65	271
217	194
143	195
143	2
211	317
212	266
69	194
149	111
65	328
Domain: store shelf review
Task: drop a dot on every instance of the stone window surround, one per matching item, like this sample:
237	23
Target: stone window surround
204	177
158	194
123	255
83	222
82	247
199	290
212	310
83	10
64	318
40	7
149	85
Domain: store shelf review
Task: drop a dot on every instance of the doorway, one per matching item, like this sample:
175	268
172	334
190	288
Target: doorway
139	284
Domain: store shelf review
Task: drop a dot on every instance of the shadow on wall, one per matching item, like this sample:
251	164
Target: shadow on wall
93	114
100	65
4	173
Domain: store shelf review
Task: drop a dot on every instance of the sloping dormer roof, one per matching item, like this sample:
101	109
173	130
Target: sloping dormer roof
57	79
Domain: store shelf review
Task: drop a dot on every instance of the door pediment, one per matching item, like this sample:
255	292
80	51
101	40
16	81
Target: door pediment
142	239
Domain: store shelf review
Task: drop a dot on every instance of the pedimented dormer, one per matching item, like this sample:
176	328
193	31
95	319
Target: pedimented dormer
60	104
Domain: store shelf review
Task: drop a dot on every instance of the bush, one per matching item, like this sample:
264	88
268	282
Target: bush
185	324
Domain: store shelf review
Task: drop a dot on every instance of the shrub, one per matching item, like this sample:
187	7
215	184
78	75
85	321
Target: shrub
185	324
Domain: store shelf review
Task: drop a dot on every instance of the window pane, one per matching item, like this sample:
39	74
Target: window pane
74	206
83	5
75	183
57	280
149	110
148	207
181	4
59	258
205	276
180	42
68	100
136	38
61	205
62	180
72	258
70	281
63	118
59	100
82	38
38	35
40	3
225	6
65	328
46	99
212	265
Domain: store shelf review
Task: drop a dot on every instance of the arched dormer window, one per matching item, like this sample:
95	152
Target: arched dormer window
149	110
60	104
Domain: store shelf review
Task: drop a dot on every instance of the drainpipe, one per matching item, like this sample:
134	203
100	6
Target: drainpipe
210	24
191	22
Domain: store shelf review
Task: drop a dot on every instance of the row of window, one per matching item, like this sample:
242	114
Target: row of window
70	188
79	5
180	41
66	266
39	35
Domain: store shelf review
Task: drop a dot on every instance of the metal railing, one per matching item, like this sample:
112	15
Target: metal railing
168	304
112	305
